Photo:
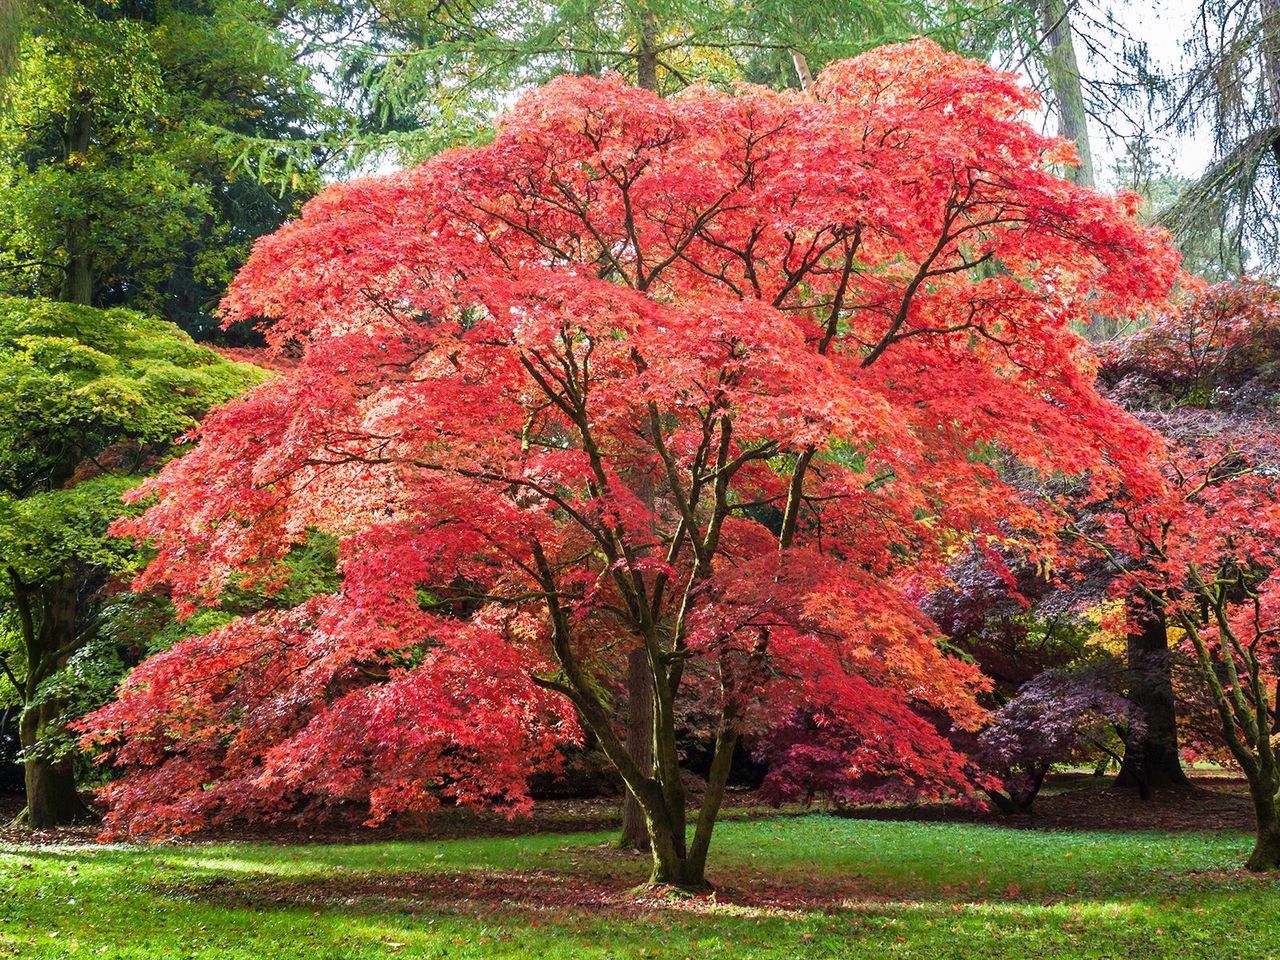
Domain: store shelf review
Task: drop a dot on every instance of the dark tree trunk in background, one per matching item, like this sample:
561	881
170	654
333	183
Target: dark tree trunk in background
635	831
1151	761
49	618
77	281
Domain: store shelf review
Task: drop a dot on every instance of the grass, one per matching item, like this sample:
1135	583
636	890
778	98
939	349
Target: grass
790	887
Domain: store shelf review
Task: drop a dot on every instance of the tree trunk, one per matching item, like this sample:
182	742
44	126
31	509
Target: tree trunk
681	871
1269	23
804	75
647	52
1266	849
1064	78
11	27
676	862
50	640
1264	783
52	800
1063	69
77	279
635	830
1151	760
1275	701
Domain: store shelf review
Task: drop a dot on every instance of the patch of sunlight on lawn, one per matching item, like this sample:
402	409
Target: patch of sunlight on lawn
1074	910
227	864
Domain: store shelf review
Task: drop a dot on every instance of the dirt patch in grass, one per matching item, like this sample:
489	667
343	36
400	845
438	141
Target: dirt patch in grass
1209	804
527	890
1071	802
1075	802
596	883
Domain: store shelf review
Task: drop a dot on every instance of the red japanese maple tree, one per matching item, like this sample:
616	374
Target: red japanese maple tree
1204	551
1202	547
715	377
1218	340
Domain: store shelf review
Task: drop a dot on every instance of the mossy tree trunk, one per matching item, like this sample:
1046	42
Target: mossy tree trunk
635	829
1266	849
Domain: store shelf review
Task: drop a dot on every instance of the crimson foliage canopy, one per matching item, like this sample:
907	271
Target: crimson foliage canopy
716	377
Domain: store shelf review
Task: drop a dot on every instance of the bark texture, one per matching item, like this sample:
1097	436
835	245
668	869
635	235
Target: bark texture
1151	761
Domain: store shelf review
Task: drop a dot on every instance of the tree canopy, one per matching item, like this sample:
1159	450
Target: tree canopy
121	170
716	378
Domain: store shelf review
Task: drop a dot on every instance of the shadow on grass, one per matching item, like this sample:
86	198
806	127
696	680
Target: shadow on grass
601	878
790	887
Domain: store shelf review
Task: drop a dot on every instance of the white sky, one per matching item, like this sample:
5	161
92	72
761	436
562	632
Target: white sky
1164	27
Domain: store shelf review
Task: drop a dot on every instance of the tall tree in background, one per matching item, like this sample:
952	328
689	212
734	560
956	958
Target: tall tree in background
142	128
429	75
119	180
11	12
1231	92
1052	40
1062	69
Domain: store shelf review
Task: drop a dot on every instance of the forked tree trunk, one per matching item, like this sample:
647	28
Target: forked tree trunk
677	860
1151	761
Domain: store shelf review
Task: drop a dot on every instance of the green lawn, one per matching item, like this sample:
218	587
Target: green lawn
810	886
